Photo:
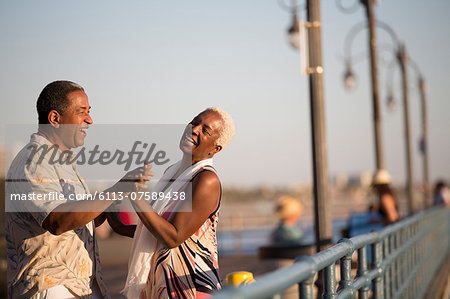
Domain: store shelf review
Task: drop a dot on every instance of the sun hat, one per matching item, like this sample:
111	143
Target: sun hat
381	177
288	206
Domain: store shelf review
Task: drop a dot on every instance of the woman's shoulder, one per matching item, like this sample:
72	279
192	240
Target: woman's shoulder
207	177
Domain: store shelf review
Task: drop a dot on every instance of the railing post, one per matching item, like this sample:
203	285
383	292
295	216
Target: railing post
362	271
377	258
346	272
306	288
393	264
402	262
387	269
346	281
410	251
397	262
410	255
330	282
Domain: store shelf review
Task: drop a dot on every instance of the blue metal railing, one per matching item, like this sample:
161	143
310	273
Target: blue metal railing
404	259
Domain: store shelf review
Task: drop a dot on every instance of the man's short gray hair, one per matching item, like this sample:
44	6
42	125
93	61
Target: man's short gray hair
227	130
55	96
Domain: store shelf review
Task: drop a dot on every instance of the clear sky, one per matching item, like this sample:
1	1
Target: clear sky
144	62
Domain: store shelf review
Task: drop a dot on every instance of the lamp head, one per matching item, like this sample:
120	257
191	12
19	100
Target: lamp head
349	78
381	177
422	84
294	32
391	102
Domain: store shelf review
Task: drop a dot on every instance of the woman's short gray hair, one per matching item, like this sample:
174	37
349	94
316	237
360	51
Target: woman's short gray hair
228	129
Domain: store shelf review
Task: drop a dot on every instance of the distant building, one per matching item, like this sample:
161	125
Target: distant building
342	180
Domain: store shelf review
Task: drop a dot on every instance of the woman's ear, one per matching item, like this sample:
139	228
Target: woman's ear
54	118
218	148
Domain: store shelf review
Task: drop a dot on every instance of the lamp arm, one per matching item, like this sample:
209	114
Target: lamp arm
416	69
347	9
350	37
388	29
291	8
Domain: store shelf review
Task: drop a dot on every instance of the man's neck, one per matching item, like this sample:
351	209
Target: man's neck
53	138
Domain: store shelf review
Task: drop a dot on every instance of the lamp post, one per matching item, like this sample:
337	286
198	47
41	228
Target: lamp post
322	211
424	143
402	59
319	148
350	78
368	4
405	61
424	148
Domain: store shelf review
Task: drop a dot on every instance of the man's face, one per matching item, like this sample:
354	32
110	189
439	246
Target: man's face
75	121
205	129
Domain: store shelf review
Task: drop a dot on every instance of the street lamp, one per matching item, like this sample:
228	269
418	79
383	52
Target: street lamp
350	77
314	68
391	100
423	144
294	32
424	140
402	59
322	211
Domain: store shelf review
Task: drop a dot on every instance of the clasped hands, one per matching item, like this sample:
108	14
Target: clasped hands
134	180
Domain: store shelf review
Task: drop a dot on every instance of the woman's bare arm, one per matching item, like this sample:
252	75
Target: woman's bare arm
205	199
388	204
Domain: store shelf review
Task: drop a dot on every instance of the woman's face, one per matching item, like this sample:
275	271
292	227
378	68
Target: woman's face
199	138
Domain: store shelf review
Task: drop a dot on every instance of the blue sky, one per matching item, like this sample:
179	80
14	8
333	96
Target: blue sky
144	62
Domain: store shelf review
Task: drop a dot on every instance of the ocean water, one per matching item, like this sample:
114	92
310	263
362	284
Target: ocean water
247	242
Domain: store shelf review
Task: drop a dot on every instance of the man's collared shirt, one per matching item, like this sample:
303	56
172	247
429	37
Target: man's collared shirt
37	259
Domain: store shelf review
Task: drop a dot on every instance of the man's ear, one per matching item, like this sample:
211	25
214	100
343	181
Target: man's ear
218	148
54	118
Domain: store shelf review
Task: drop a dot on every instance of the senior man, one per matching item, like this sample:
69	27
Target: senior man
51	245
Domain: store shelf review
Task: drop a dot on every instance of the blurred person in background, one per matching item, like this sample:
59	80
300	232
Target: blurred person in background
441	194
288	210
174	253
387	204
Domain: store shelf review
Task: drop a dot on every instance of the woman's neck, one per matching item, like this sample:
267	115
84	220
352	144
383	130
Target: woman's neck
186	162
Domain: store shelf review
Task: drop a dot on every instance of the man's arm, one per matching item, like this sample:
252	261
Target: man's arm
100	219
61	220
118	226
205	199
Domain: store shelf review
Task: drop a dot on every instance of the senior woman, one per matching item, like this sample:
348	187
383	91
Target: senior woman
174	253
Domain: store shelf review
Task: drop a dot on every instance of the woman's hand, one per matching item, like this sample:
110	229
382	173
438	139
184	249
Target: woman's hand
135	180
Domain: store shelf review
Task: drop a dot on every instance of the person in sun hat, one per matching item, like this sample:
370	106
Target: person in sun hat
388	206
288	210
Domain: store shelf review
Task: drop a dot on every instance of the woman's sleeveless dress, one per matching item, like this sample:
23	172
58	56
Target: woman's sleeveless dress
191	269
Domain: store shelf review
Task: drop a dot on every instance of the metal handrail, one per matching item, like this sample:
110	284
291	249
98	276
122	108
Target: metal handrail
399	266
